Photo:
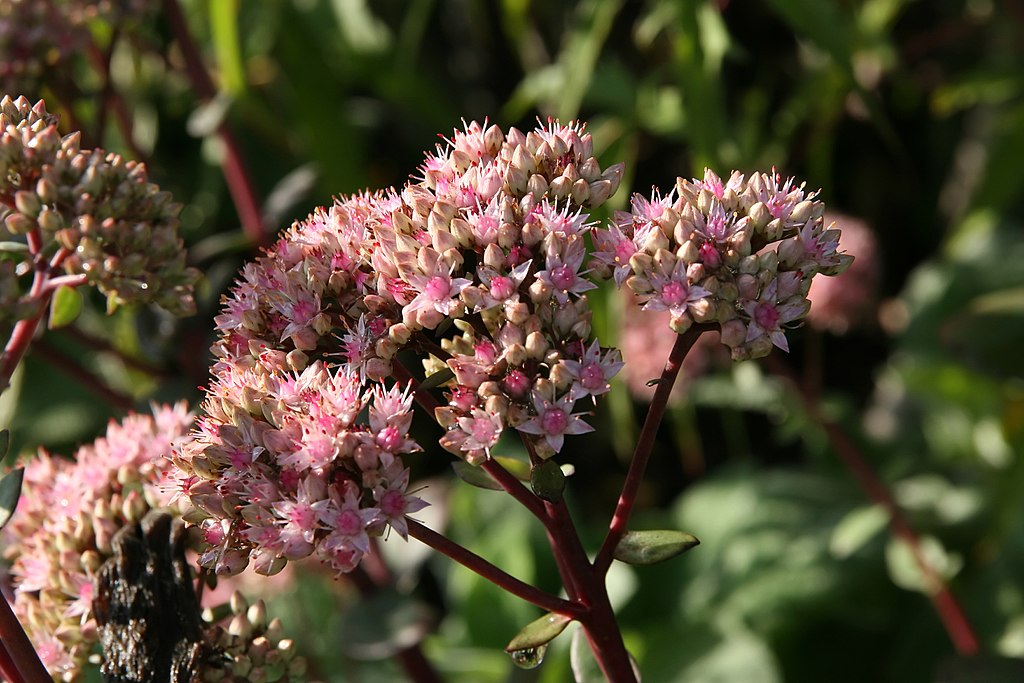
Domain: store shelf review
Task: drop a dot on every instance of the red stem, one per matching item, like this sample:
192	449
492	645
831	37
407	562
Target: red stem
19	648
25	329
950	612
498	577
235	174
8	668
644	447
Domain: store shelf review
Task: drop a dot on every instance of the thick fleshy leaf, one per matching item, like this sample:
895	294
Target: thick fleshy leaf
14	251
65	307
437	379
5	443
475	476
538	632
651	547
548	480
10	491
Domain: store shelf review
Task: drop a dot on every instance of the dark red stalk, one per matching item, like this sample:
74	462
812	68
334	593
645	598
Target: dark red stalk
8	669
644	446
19	648
235	173
498	577
25	329
950	612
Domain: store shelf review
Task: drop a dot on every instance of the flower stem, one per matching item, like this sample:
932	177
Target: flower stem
19	648
235	174
950	612
8	668
25	329
644	447
499	577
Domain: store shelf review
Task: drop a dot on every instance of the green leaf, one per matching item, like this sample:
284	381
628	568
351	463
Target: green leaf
856	529
10	491
905	569
224	29
437	379
651	547
206	118
539	632
474	476
5	443
13	247
65	307
548	481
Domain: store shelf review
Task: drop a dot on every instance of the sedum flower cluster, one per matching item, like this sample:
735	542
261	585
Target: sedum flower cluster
479	268
61	534
118	230
739	254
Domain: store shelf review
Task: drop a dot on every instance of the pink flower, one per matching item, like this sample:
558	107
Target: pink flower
593	371
554	419
298	519
437	291
673	292
768	315
564	258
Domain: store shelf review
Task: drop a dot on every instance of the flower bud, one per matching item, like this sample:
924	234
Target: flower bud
536	345
19	224
537	185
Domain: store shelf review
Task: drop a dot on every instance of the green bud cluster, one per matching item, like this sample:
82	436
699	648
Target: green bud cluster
251	648
120	230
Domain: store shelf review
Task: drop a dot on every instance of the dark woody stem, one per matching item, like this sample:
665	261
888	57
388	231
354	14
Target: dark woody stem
644	445
8	669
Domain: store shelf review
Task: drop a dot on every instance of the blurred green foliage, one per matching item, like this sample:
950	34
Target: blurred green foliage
909	114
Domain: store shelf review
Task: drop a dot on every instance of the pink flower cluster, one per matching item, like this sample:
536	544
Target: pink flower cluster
479	269
703	254
67	515
478	265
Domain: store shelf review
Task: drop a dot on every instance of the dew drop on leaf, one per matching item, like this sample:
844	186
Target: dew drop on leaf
528	658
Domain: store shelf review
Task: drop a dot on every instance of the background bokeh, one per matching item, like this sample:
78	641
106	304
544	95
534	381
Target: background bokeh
908	114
